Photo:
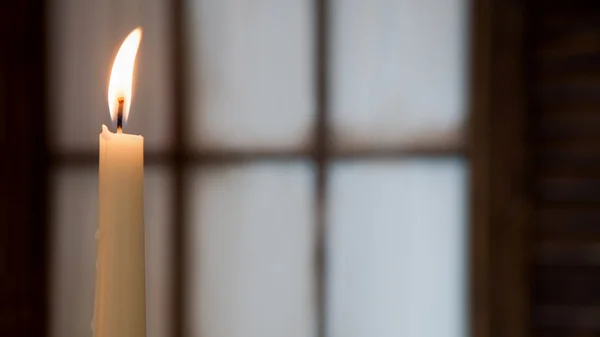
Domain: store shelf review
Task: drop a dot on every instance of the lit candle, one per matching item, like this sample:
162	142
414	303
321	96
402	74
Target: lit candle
120	308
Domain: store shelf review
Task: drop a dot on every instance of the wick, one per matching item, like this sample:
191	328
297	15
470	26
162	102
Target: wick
120	115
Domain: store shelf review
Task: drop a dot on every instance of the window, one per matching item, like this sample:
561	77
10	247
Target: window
308	179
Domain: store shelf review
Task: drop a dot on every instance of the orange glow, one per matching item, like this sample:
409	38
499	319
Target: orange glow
121	76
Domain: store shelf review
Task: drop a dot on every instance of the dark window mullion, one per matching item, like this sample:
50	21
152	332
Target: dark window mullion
178	170
321	157
172	159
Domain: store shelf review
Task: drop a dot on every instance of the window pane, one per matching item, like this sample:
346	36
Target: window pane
398	72
251	251
250	73
397	249
73	272
84	37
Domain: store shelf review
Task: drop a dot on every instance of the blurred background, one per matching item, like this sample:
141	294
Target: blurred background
322	168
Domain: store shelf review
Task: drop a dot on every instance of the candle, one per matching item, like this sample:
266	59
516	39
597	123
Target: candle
120	308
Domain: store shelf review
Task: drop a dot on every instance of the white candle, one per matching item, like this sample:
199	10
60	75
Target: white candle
120	308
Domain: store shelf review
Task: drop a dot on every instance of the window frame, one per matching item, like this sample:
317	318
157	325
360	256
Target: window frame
320	152
501	198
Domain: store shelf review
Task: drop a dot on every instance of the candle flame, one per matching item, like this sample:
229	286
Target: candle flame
121	76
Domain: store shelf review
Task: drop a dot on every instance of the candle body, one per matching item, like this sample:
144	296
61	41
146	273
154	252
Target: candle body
120	308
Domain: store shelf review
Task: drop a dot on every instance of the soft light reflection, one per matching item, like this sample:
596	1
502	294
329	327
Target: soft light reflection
121	76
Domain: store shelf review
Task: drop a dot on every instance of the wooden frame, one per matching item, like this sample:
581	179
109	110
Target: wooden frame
500	195
319	153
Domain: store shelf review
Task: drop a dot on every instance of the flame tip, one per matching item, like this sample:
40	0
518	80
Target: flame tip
121	77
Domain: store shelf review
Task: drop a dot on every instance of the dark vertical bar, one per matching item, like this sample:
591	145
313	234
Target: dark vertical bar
479	161
321	154
178	206
500	197
23	171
